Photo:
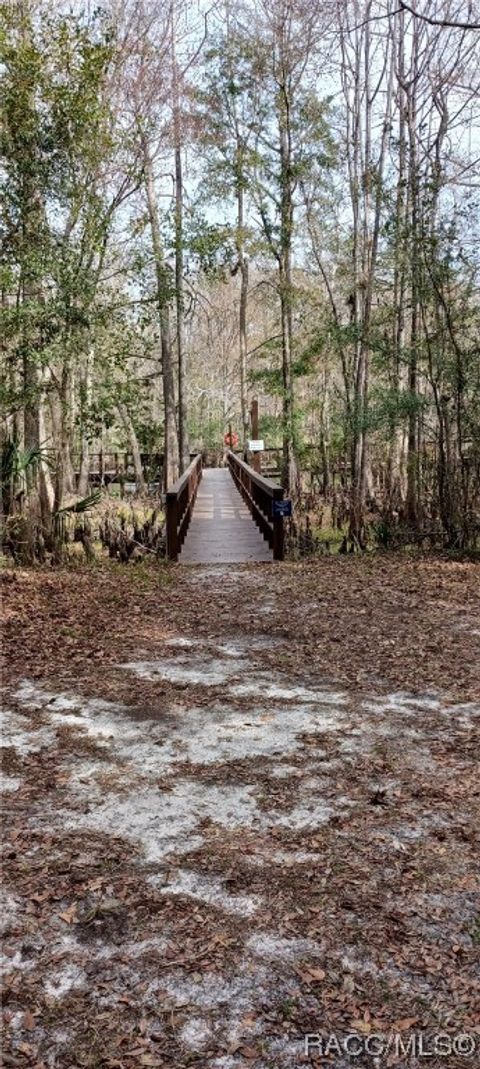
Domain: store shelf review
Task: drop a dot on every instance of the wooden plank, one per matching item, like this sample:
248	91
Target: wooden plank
221	530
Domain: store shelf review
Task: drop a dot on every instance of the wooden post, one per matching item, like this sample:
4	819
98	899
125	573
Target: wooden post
278	534
171	506
256	463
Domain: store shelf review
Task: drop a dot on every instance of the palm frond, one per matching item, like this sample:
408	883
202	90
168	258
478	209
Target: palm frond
83	505
16	462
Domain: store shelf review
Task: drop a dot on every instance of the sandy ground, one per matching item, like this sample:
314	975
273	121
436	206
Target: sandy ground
253	818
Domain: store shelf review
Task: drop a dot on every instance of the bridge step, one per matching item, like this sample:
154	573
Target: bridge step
222	530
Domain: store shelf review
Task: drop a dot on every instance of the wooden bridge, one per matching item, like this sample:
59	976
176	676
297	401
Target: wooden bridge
116	468
224	515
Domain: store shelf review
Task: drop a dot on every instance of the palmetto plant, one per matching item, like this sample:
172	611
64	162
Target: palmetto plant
61	525
16	465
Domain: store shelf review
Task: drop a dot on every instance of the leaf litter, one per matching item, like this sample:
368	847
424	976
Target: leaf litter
229	828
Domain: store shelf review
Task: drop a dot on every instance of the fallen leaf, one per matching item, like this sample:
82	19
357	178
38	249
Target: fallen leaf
359	1025
70	914
404	1024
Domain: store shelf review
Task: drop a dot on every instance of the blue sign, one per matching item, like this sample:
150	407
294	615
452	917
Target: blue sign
282	508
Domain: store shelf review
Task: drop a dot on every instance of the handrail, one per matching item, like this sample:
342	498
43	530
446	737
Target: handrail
260	494
180	499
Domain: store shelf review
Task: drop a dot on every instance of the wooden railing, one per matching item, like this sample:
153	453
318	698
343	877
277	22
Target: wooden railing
260	495
108	467
180	499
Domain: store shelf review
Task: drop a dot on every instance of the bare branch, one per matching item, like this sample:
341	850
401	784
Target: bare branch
452	24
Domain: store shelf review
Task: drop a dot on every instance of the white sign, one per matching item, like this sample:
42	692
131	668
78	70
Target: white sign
256	445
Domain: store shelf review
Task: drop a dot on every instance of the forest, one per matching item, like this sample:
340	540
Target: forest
240	527
203	205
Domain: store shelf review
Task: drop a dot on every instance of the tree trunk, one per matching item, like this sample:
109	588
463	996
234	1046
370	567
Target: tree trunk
325	438
171	450
62	419
366	211
290	468
39	484
413	196
85	401
134	446
395	475
183	442
242	321
84	469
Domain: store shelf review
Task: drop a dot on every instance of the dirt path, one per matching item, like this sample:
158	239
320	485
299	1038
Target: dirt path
241	806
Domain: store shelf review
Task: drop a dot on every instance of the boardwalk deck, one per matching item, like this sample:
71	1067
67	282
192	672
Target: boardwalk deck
222	530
